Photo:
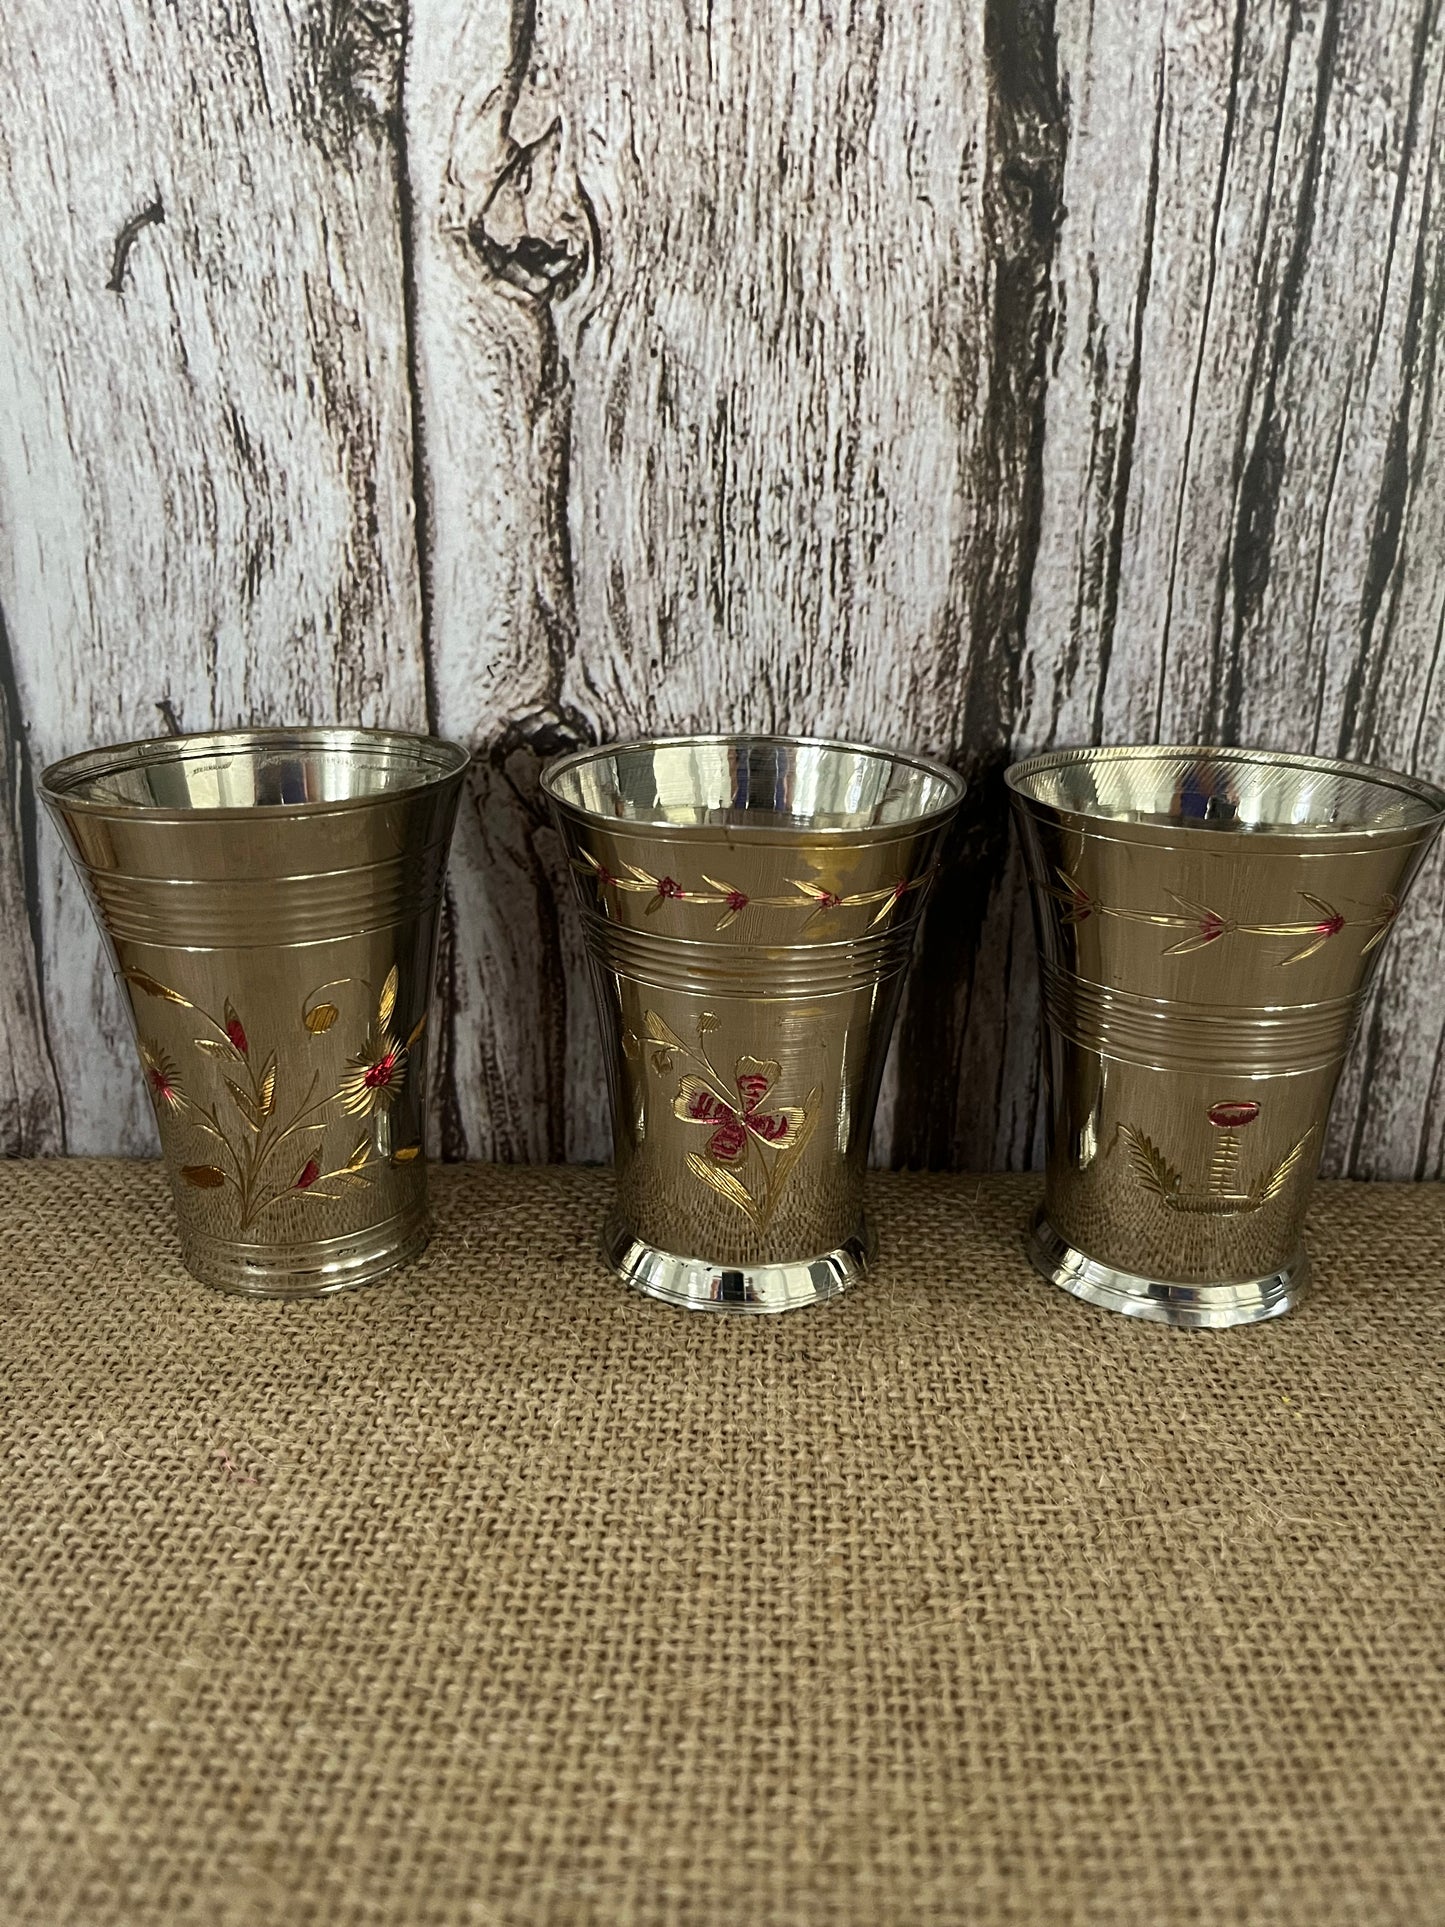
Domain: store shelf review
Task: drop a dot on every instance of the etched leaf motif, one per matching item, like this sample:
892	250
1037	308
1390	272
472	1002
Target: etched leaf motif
267	1099
1151	1167
406	1154
218	1047
386	1003
1275	1182
359	1155
320	1018
724	1183
708	1022
244	1104
204	1177
235	1029
143	981
659	1033
812	1110
416	1030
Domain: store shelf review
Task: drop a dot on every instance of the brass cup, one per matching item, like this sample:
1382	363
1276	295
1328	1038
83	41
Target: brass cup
1208	921
749	905
269	899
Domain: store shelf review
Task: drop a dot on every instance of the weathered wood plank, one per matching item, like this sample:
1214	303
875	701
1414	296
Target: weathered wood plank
31	1124
970	376
787	429
1240	488
499	233
205	430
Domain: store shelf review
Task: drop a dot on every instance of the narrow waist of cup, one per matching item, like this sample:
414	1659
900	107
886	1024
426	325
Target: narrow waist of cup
1159	1034
747	970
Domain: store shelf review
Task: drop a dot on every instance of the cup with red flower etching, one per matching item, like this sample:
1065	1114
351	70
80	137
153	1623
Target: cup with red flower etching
749	905
270	901
1209	921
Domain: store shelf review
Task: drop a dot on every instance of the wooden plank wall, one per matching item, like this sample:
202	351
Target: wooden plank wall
969	374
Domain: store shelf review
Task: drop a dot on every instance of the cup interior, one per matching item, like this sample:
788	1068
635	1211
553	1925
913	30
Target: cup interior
1225	790
752	782
252	769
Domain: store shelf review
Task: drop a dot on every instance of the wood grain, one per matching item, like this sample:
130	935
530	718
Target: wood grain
205	430
1242	491
972	374
500	233
31	1124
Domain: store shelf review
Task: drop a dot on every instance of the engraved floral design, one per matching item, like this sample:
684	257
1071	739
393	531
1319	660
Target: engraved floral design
814	896
698	1103
753	1144
375	1076
1221	1195
246	1141
1202	926
161	1076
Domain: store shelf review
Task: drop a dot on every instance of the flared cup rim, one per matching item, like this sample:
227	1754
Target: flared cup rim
57	782
1018	775
760	832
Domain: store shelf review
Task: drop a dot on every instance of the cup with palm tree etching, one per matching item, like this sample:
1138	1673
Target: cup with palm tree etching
270	900
749	905
1208	924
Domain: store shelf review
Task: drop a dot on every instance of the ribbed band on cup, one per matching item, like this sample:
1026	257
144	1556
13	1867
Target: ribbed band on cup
747	970
234	914
1158	1034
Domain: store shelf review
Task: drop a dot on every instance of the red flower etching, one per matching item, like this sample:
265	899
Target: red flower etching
814	896
1233	1114
752	1145
373	1078
161	1076
1328	923
669	890
251	1158
733	900
1078	904
1203	925
698	1103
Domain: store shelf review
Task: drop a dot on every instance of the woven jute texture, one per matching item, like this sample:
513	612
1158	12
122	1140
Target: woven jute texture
494	1593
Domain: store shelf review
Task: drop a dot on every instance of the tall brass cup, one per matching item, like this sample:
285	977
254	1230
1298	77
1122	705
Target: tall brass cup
750	904
270	902
1208	921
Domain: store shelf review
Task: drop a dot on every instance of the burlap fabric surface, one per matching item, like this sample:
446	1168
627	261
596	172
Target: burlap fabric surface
496	1594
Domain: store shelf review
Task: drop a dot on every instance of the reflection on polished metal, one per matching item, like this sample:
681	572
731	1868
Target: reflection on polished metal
1208	921
269	898
749	904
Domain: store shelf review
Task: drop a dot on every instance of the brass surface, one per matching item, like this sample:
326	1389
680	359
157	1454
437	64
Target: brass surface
749	905
1208	921
269	899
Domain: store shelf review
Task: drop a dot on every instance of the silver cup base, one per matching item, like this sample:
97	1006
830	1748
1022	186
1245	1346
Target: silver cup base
308	1271
1194	1306
697	1284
